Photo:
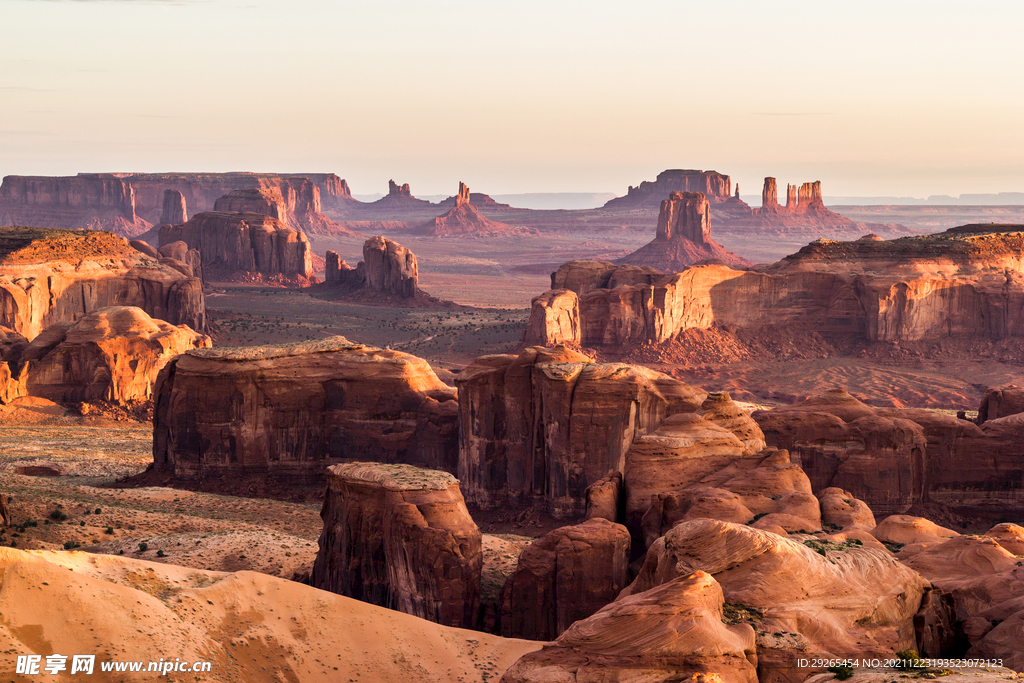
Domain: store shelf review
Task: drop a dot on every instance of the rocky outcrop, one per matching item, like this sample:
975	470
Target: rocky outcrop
462	219
770	196
564	576
387	268
93	201
713	185
396	190
400	537
1001	402
179	251
291	410
545	425
849	601
173	211
896	458
234	244
963	283
49	276
554	319
113	354
266	201
683	237
677	631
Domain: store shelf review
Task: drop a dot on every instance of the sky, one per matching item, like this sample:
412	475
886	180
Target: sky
907	98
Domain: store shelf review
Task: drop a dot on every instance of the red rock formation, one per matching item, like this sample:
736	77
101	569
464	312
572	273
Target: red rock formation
396	190
389	267
770	196
180	252
290	410
683	238
554	319
564	576
954	284
235	243
848	602
266	201
674	632
1001	402
792	202
174	211
546	425
400	537
48	276
713	185
113	354
604	498
94	201
462	219
144	248
809	196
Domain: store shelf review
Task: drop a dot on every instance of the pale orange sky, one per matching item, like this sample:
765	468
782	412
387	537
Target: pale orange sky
906	98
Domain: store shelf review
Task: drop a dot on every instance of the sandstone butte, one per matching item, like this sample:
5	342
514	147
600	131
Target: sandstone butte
966	282
51	276
132	203
289	411
543	426
387	268
897	458
683	237
463	219
252	627
400	537
113	354
233	245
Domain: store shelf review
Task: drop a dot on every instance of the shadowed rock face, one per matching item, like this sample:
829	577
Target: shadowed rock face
232	243
113	354
267	201
174	211
1001	402
50	276
290	410
674	632
564	576
400	537
963	283
545	425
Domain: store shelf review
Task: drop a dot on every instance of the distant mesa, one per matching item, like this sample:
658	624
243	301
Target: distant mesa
803	199
715	186
245	246
683	238
267	201
463	219
477	199
398	197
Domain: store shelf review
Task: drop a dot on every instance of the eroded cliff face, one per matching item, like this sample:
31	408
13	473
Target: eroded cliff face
291	410
961	283
266	201
49	276
232	243
402	538
544	426
113	354
94	201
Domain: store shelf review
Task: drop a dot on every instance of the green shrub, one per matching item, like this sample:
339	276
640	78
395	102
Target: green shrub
143	547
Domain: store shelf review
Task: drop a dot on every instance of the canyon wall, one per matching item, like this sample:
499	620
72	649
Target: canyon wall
94	201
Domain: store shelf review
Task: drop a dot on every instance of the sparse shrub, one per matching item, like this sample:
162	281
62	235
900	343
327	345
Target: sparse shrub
68	545
159	553
909	659
99	510
841	672
109	530
143	547
58	514
82	523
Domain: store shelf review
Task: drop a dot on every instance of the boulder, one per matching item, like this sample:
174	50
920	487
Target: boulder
841	510
113	354
720	409
804	603
564	576
545	425
674	632
1001	402
144	248
290	410
400	537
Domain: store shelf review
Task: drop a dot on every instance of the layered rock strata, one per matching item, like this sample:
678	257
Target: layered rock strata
291	410
387	267
544	426
564	576
713	185
50	276
174	210
237	243
964	283
266	201
400	537
93	201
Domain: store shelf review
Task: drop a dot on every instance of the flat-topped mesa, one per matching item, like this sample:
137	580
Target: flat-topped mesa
543	426
174	210
266	201
236	245
683	237
686	215
49	276
289	410
715	186
113	354
400	537
95	201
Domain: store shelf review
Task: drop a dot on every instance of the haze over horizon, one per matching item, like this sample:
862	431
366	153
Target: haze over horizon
911	99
